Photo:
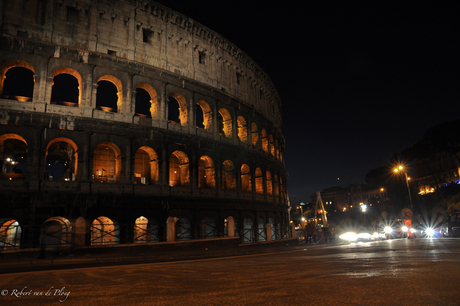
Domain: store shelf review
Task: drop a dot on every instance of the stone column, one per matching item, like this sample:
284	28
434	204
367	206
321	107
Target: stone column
171	229
268	228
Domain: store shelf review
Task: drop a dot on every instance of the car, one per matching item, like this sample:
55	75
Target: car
395	229
420	231
450	226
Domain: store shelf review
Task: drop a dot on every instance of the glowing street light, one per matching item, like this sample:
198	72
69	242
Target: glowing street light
401	168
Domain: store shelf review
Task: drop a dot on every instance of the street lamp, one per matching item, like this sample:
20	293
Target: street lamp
401	168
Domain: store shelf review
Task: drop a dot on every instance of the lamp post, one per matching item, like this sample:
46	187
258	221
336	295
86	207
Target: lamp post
401	168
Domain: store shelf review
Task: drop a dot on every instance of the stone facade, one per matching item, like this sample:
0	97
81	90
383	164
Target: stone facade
127	122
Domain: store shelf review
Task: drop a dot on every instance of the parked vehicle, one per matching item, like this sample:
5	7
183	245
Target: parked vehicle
451	225
395	229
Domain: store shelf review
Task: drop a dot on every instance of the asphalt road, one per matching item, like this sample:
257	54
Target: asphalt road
396	272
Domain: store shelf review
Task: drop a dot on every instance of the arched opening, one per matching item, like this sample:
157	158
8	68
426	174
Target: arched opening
242	129
177	109
269	183
56	232
65	89
10	234
13	156
228	175
208	228
141	234
272	146
254	134
264	140
261	229
179	169
259	179
156	231
246	184
109	95
183	229
17	81
248	232
277	149
107	163
104	231
225	123
61	160
206	172
203	115
146	169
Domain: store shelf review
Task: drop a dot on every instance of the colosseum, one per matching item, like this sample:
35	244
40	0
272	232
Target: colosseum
125	122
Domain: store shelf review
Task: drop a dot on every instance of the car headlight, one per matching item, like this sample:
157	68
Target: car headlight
413	230
429	231
404	229
388	229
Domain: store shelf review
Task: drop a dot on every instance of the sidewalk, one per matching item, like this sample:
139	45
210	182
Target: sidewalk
111	255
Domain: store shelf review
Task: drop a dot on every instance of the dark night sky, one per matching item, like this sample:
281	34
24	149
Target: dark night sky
359	81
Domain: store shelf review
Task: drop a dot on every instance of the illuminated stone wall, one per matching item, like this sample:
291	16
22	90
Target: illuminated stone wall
127	116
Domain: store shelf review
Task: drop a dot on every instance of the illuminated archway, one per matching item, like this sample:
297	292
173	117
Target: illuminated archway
107	163
146	101
269	183
259	179
141	233
177	102
104	231
207	114
10	234
264	140
146	170
13	156
206	172
179	169
276	185
254	134
109	94
228	175
66	87
61	159
242	129
246	184
226	122
272	145
19	83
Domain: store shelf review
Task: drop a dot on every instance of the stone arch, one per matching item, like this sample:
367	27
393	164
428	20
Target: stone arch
179	173
254	134
30	83
119	93
230	227
64	90
104	231
10	234
107	163
61	157
13	156
264	140
182	105
152	109
183	229
272	145
141	233
228	175
242	129
269	183
259	179
56	232
146	170
246	183
277	149
207	114
206	172
226	123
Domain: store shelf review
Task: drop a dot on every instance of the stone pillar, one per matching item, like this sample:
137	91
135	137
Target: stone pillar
80	232
171	229
268	228
231	226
